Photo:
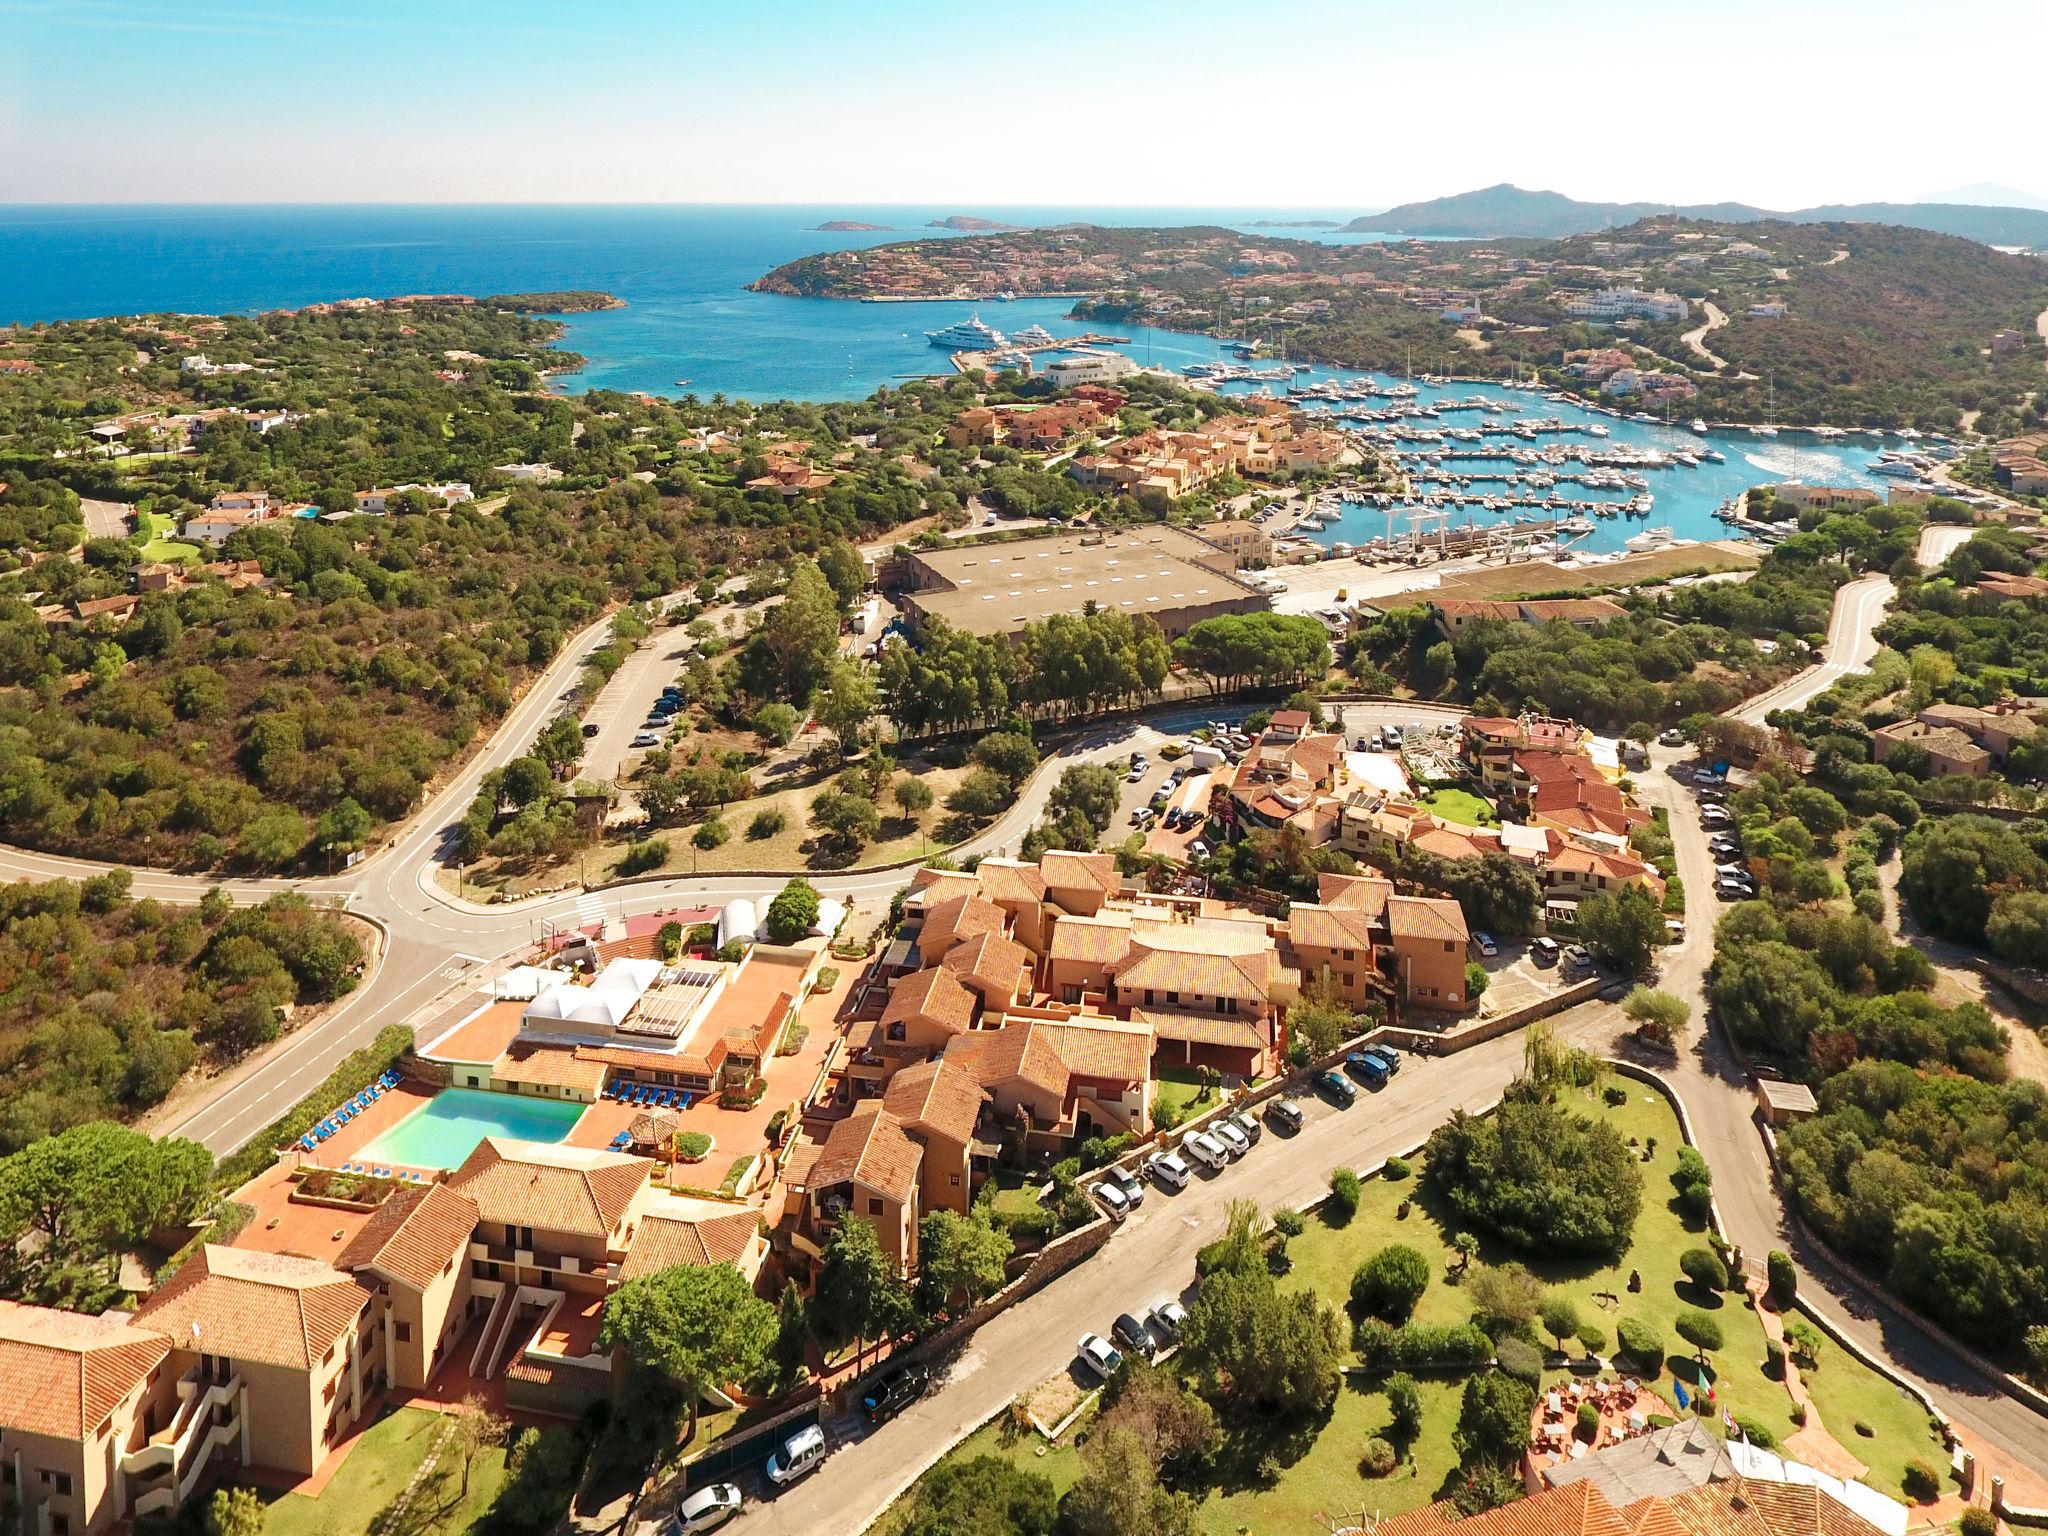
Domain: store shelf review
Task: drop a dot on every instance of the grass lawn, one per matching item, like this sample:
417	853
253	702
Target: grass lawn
162	548
1462	806
1849	1393
1179	1091
377	1469
1015	1196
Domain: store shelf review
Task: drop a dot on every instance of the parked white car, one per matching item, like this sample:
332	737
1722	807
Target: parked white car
1235	1142
1113	1199
799	1454
1170	1169
1206	1150
1098	1356
707	1509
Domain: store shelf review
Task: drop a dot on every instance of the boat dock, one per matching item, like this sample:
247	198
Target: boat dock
979	362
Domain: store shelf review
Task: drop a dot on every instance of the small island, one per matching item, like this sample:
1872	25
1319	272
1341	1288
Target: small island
853	226
575	301
968	222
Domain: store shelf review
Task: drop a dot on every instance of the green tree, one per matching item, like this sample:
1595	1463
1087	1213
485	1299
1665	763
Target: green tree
845	702
912	795
848	820
1656	1015
984	1496
1505	1297
344	826
699	1326
1701	1332
981	794
959	1257
234	1512
1254	1347
95	1190
844	571
1494	1418
1119	1493
1008	753
776	722
1560	1317
793	650
1622	927
273	839
861	1294
793	912
1390	1282
1404	1407
1540	1177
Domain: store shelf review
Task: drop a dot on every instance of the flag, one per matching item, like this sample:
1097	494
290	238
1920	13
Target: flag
1683	1400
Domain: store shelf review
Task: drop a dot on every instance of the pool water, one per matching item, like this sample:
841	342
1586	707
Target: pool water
442	1133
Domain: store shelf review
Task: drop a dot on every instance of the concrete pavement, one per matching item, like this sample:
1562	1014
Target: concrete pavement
1852	641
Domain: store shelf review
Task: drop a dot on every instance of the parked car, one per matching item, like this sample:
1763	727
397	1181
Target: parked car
1336	1086
707	1509
1247	1126
1387	1054
893	1391
1098	1356
1206	1150
1169	1317
1198	849
646	739
1143	816
1223	1129
1368	1068
590	728
1544	951
1128	1182
1285	1116
799	1454
1715	816
1134	775
1670	736
1579	958
1131	1332
1734	888
1113	1199
1170	1169
1483	942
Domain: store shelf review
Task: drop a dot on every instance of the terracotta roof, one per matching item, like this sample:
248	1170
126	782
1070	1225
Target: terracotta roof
1066	870
939	885
935	996
1177	969
1008	880
1100	940
666	1240
940	1095
1426	917
962	917
1202	1028
550	1066
577	1190
992	959
413	1235
272	1308
1354	893
66	1372
869	1147
1577	1510
1017	1052
1330	927
1107	1049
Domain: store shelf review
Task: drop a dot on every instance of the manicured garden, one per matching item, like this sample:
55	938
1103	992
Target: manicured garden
1302	1475
376	1471
1460	805
162	546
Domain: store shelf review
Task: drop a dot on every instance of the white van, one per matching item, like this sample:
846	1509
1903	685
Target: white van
1206	1150
799	1454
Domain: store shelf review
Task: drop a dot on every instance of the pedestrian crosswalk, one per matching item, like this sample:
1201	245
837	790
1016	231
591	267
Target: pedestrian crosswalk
590	911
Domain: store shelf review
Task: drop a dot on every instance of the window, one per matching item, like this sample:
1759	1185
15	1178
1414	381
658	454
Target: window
1070	994
1172	999
1350	954
402	1332
896	1030
874	1206
63	1481
953	1179
1450	948
1148	997
327	1392
1348	979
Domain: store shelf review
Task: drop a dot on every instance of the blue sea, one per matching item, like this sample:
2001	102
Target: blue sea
688	317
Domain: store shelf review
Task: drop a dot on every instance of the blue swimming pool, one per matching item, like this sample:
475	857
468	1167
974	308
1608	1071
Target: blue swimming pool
440	1134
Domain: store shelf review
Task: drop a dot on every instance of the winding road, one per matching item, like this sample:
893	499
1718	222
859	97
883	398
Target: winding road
1695	339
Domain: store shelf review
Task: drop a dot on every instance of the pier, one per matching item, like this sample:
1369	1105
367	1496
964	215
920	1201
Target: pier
978	362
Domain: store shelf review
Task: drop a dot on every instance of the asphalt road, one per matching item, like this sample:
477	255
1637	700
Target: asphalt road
1852	640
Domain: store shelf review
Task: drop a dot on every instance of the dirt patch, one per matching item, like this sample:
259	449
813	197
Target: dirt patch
1659	565
1054	1398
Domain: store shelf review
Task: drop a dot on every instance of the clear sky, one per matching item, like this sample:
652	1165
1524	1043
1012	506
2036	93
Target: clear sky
1344	104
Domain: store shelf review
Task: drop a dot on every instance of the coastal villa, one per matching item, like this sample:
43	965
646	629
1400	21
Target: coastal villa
2021	464
1950	752
1030	429
1619	303
1177	463
1824	498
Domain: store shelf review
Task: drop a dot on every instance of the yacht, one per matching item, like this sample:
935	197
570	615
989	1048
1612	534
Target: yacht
1897	467
1032	336
1699	425
974	335
1649	539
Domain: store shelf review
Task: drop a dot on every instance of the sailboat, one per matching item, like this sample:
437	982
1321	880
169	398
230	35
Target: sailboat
1770	425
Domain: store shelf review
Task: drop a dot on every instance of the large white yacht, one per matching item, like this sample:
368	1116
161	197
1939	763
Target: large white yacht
1033	336
973	335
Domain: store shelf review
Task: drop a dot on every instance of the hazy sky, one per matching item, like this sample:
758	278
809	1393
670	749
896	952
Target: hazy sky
1252	104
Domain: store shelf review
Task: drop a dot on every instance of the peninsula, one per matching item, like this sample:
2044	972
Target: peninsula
851	227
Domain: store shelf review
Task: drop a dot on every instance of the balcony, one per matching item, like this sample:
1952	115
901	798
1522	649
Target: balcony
209	1416
537	1258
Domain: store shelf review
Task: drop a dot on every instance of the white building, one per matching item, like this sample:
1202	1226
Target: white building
529	472
1090	368
198	364
1615	303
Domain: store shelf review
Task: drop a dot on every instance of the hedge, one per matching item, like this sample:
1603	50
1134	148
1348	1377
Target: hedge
355	1073
1382	1347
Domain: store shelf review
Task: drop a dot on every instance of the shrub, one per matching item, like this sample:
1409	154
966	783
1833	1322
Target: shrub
1390	1283
1381	1346
1520	1359
1589	1420
1615	1095
1920	1482
649	853
1592	1339
1703	1267
1404	1406
692	1145
1774	1360
1288	1222
1694	1182
766	824
1379	1458
1784	1277
1978	1521
1643	1344
1395	1168
713	834
1757	1432
1344	1196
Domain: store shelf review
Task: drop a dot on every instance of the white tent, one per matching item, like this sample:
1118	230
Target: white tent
738	922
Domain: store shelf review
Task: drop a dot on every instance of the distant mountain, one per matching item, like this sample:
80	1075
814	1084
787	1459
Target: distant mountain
1508	212
1988	194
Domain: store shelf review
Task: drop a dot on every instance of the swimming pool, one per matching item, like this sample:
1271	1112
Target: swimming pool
440	1134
